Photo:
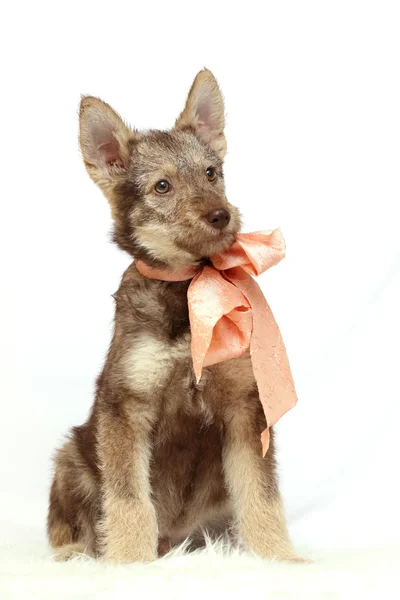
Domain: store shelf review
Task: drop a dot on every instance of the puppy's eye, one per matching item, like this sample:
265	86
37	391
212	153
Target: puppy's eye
211	174
162	187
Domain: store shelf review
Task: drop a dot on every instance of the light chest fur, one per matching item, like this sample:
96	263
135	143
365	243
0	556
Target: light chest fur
151	361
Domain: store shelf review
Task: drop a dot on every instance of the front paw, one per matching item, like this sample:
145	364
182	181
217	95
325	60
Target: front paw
296	559
275	549
128	553
130	534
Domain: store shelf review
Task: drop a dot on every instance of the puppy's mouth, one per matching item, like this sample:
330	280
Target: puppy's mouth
215	244
207	237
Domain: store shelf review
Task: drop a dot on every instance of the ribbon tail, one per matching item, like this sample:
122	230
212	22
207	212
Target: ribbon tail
220	320
269	359
265	441
265	437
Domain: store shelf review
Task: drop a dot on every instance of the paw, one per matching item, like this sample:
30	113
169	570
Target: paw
130	533
296	559
129	554
69	551
127	545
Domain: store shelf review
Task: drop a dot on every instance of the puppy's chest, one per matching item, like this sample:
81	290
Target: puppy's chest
151	361
156	365
158	360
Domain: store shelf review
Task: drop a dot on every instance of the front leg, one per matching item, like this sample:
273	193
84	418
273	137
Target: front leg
253	486
128	531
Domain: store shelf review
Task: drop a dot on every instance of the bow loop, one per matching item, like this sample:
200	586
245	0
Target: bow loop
254	252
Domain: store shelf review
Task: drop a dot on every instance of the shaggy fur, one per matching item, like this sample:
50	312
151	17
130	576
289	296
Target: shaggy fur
218	571
160	456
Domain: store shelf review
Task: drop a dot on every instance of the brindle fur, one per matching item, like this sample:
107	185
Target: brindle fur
162	457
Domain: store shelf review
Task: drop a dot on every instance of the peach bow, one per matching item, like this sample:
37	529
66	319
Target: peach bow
228	314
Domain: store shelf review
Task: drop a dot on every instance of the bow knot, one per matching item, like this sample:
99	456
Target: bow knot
229	314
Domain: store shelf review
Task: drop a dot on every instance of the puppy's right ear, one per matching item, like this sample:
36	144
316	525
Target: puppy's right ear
105	142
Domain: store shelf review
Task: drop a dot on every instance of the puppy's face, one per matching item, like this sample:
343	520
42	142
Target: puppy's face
166	189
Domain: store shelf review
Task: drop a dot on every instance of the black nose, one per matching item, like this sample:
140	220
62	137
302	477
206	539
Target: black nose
218	218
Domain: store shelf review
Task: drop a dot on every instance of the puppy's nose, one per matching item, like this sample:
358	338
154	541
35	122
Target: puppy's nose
218	218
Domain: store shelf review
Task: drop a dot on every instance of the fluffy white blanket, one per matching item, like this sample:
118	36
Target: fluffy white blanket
219	571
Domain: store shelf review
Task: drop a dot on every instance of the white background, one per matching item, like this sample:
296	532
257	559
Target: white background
313	128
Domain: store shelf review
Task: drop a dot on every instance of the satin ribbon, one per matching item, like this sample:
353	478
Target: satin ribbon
229	314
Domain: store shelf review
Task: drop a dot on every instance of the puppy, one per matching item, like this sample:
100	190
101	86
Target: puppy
162	457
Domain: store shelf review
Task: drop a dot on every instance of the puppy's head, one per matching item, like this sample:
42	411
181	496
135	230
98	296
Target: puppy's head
165	188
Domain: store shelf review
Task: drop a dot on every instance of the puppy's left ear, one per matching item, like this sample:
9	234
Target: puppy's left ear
204	112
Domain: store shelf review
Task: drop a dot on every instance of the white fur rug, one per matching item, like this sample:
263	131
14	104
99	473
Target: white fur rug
27	571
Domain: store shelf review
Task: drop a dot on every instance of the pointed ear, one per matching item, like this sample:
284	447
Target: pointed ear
105	141
204	112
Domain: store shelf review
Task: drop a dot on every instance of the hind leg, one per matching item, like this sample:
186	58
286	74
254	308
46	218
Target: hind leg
72	510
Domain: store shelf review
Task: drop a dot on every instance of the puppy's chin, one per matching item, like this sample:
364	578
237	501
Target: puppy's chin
184	249
218	245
